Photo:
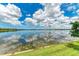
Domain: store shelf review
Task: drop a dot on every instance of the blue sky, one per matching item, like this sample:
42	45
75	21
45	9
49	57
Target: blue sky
28	9
69	13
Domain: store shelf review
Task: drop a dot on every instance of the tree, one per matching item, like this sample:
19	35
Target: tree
75	25
75	30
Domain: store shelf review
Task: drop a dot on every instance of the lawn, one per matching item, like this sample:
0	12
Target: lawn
64	49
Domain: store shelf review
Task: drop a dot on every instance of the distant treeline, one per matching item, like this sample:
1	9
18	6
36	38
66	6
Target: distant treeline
8	29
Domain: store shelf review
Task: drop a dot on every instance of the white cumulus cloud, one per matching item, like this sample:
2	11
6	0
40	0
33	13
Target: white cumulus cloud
52	16
30	20
10	14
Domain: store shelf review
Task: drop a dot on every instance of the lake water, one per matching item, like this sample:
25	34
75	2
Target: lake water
11	42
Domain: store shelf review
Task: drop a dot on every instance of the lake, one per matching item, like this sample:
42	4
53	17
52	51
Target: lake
11	42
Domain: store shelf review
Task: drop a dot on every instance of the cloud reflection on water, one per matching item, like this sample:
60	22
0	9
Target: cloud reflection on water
9	41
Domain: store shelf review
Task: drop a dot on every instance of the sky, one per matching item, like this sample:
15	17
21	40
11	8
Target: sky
38	15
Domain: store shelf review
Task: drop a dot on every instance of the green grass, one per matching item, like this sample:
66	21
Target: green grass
65	49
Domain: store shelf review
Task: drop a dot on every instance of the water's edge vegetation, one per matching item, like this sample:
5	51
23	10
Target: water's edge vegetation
9	29
62	49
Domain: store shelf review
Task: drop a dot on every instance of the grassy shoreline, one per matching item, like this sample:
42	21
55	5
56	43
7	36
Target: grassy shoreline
64	49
